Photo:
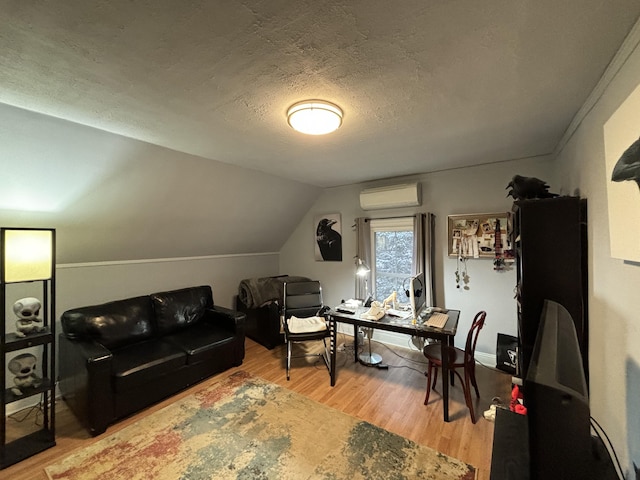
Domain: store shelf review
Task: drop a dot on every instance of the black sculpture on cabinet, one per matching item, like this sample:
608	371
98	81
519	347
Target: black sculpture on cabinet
523	188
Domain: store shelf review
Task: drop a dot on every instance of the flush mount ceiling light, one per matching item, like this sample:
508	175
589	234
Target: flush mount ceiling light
314	117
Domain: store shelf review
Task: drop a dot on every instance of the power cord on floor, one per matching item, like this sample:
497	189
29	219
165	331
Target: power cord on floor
408	359
344	352
346	349
21	415
608	445
421	362
384	366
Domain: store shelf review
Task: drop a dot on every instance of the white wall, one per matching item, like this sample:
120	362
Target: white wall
459	191
614	303
86	284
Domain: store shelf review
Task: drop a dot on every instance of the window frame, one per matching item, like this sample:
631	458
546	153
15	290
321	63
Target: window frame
392	224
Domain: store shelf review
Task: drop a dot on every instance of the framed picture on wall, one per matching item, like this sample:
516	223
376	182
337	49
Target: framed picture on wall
622	177
474	235
328	237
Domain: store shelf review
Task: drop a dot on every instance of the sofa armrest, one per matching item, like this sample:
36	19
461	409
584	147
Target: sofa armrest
231	319
84	368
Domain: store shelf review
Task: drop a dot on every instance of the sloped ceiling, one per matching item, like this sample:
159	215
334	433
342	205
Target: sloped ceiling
425	85
147	129
112	198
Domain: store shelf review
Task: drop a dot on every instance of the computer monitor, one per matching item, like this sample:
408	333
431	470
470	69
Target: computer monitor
417	294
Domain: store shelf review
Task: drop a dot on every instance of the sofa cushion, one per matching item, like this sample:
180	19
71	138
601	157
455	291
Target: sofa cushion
177	309
112	324
135	365
200	341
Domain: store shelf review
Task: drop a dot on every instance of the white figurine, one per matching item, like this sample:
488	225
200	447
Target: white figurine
391	301
27	310
24	368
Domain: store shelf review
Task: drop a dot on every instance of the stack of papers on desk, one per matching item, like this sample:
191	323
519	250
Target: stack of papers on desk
399	313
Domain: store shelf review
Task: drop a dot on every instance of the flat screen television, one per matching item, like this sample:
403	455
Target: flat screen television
555	393
417	294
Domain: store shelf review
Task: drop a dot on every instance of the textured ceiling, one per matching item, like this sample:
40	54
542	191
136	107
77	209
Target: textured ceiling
425	85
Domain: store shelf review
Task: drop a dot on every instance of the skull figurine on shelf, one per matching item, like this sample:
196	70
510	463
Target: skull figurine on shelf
23	367
27	310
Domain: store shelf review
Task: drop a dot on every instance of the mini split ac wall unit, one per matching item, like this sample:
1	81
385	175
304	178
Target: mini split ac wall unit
393	196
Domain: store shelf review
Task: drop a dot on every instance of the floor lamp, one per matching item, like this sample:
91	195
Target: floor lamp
370	359
27	256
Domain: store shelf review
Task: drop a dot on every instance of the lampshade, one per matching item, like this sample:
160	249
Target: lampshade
361	268
27	255
314	117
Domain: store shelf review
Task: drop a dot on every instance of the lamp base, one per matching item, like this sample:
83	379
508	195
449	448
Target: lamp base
370	359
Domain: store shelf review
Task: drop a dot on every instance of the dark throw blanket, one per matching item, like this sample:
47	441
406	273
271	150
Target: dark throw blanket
257	292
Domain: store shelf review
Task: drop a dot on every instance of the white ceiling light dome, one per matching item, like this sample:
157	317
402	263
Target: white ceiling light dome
314	117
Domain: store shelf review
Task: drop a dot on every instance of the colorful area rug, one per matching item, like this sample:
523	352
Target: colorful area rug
243	427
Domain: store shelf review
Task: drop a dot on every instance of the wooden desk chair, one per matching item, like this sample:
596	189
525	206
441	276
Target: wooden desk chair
458	358
303	318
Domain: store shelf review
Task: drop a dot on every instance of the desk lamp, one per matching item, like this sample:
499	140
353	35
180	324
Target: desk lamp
362	270
369	359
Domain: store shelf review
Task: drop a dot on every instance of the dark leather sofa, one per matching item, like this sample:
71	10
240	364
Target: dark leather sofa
119	357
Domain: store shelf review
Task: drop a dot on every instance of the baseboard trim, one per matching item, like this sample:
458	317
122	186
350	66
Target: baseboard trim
404	341
486	359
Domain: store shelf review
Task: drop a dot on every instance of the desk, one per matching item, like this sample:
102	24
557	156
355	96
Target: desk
398	325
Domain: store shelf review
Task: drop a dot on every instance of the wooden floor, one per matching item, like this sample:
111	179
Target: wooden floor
392	399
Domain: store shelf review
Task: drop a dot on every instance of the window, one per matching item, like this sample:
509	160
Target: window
391	256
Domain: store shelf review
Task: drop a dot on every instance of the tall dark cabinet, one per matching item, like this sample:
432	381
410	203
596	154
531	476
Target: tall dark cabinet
550	239
553	440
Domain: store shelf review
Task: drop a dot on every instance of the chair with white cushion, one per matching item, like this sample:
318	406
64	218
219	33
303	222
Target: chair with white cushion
303	318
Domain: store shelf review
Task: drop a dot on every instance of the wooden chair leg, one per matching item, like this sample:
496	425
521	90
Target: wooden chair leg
474	382
435	378
429	370
467	394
